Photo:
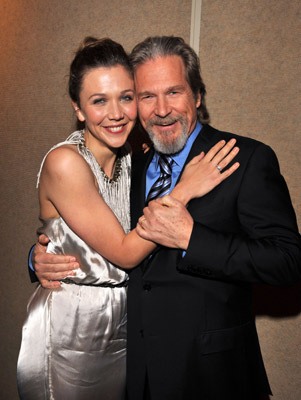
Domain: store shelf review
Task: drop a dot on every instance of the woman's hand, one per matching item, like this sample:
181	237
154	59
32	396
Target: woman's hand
204	172
145	147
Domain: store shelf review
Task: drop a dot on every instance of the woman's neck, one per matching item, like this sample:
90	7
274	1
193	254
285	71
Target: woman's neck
104	155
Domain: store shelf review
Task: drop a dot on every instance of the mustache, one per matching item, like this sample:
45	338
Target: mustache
169	120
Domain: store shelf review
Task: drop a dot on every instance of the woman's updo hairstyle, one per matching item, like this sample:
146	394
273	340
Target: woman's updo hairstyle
94	53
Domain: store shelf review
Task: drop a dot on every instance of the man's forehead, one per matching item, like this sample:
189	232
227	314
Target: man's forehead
162	69
160	60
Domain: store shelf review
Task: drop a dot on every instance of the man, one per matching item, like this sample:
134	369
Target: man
191	332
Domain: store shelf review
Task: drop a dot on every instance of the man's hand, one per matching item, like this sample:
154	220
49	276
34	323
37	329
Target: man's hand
166	221
49	268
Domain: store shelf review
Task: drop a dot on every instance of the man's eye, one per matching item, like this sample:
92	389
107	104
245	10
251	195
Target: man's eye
146	97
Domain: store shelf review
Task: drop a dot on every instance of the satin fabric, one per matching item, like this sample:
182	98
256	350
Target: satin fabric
74	338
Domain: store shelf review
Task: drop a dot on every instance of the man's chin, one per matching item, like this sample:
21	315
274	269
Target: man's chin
169	139
168	146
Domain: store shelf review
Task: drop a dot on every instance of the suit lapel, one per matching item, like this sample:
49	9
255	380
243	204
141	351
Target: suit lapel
203	142
140	163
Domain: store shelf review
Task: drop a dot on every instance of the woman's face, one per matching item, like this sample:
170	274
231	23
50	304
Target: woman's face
108	105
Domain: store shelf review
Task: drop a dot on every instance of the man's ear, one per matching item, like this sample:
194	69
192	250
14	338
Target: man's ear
198	100
78	112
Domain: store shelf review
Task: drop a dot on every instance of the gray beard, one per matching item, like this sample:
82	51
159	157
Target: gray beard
166	147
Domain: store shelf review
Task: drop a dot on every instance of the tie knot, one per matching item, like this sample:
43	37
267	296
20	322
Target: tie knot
165	163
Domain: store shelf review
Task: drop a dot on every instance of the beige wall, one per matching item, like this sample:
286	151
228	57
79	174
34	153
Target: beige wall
249	62
250	56
37	42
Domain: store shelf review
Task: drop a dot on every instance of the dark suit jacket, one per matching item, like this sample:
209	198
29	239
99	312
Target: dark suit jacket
190	323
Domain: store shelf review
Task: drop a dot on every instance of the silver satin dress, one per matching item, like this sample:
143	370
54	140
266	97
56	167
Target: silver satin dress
74	338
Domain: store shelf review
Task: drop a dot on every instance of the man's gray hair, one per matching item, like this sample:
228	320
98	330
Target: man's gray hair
162	46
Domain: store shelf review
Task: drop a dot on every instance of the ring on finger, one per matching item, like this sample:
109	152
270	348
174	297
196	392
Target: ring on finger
219	168
163	201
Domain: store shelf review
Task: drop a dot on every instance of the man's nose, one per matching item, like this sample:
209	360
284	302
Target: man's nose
162	107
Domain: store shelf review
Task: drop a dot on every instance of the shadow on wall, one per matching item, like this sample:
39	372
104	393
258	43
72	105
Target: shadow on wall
277	302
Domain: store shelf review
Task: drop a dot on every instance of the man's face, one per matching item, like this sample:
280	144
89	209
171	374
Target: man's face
166	105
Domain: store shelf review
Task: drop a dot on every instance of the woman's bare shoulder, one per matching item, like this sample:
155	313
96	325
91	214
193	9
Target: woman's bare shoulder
63	156
64	160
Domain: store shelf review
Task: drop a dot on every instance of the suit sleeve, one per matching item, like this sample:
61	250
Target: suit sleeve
267	247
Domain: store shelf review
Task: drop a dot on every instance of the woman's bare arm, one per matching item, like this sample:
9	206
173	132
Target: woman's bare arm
68	184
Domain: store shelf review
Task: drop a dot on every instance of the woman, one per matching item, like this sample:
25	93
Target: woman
74	338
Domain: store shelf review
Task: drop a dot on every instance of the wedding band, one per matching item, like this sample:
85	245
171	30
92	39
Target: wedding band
163	200
219	168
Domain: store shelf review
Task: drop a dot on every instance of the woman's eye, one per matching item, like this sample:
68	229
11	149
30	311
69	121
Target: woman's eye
99	101
127	98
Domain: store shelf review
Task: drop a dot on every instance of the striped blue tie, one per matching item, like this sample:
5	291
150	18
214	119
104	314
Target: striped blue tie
162	185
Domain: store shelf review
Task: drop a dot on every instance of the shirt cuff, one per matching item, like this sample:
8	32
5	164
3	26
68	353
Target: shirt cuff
29	258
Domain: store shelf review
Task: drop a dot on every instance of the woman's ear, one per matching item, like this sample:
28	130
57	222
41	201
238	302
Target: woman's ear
78	112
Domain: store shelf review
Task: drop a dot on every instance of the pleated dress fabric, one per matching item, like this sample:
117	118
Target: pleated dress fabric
74	338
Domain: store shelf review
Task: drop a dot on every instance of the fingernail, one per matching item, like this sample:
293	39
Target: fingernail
232	141
75	266
72	259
